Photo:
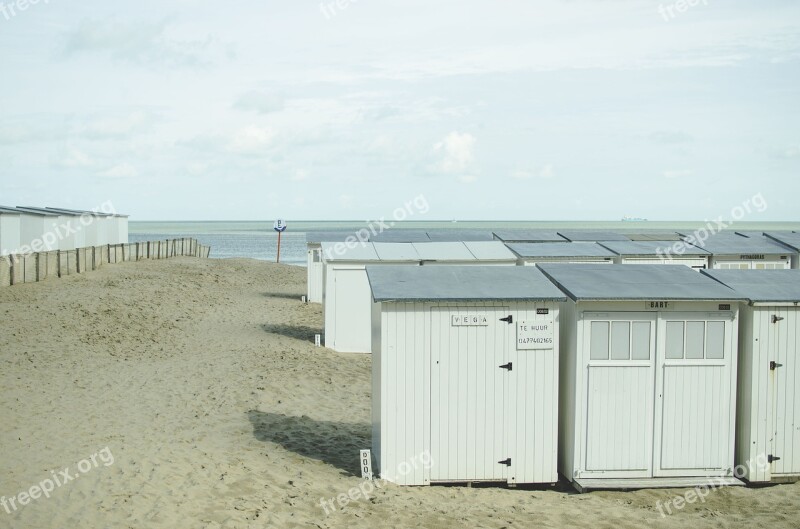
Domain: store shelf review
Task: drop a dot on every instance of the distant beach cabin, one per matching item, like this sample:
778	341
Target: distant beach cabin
346	299
768	410
789	240
9	230
38	230
314	272
734	252
464	374
654	252
647	376
530	254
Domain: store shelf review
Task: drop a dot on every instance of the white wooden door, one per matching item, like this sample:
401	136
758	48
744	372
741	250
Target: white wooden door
469	392
694	400
619	398
784	375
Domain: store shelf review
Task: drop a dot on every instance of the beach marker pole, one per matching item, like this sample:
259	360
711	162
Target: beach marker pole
280	227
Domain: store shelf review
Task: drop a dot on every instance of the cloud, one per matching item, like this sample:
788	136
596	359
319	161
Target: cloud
116	127
300	175
259	102
251	140
790	152
143	43
121	171
677	173
670	137
456	151
545	172
467	179
76	159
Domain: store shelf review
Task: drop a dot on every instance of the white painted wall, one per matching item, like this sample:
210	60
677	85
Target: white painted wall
769	400
9	233
438	390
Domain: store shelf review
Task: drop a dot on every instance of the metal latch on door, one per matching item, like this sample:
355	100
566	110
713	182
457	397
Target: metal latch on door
771	458
776	319
509	366
506	462
773	365
508	319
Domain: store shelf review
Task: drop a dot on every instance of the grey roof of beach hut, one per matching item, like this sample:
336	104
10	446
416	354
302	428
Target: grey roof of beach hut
636	282
460	283
522	235
592	235
560	249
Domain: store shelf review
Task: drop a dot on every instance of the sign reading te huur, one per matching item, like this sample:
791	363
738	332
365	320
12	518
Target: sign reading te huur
537	334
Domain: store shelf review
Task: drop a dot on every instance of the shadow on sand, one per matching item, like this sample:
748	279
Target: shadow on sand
335	443
300	332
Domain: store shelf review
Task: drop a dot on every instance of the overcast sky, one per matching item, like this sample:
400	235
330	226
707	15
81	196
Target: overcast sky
519	110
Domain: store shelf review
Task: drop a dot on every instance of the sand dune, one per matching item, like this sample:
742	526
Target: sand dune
202	379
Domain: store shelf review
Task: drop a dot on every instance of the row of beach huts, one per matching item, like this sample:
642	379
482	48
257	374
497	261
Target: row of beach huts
36	229
524	355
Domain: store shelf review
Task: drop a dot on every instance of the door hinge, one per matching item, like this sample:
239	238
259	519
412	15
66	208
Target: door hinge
506	462
773	365
509	366
771	458
776	319
508	319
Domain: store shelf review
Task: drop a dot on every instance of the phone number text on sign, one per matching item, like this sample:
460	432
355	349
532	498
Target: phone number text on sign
535	335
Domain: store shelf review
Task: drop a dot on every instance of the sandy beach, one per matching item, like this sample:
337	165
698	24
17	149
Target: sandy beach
196	386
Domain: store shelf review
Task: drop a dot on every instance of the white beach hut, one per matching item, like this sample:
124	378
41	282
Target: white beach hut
62	226
789	240
647	376
92	226
401	235
654	252
768	410
346	292
38	230
530	254
9	230
745	253
346	297
465	374
314	270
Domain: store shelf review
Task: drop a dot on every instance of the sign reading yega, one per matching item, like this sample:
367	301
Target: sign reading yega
471	319
535	334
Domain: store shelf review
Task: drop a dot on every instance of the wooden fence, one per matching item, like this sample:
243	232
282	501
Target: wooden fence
16	269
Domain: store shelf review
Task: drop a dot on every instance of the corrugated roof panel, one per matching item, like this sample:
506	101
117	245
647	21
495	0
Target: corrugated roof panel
401	235
446	235
792	240
529	236
635	282
592	235
761	286
443	251
741	245
396	251
460	283
560	249
490	251
651	248
339	251
653	236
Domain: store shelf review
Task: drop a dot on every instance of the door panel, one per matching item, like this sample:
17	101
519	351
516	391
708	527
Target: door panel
468	393
784	349
693	422
619	399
